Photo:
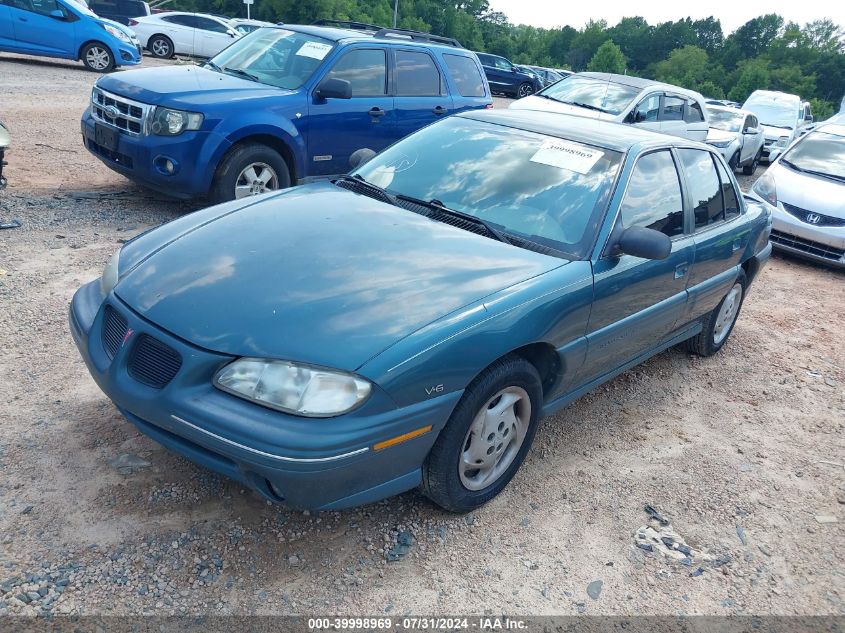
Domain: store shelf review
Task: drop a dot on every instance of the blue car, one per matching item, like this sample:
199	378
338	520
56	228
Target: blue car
66	29
280	106
409	324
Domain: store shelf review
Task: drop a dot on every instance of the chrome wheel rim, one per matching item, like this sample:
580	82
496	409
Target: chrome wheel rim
494	438
98	58
727	315
256	178
525	90
161	48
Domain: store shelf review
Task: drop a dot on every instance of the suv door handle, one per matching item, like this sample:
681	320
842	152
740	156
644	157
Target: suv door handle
439	110
377	112
681	270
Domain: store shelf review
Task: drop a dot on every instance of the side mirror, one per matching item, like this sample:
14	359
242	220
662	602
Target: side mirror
646	243
773	155
56	14
809	118
334	89
232	33
752	130
360	156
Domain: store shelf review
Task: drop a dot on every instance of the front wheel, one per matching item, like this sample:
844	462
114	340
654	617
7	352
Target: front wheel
487	437
97	57
749	170
718	324
524	90
248	170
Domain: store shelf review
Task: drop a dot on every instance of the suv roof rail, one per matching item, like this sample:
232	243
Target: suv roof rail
348	24
417	36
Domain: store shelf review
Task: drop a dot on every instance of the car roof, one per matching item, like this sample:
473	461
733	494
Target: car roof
773	95
620	137
638	82
341	35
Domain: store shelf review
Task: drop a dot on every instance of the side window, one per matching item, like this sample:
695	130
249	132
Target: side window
210	25
704	187
754	122
365	69
653	198
693	113
673	109
44	7
465	74
729	197
647	110
416	75
181	20
503	64
24	5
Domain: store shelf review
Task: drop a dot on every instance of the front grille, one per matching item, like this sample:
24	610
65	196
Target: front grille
153	363
808	246
823	220
120	112
114	331
116	157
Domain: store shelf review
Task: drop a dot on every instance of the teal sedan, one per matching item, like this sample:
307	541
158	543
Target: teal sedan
410	324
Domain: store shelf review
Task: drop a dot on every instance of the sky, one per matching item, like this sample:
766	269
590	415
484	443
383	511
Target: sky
731	13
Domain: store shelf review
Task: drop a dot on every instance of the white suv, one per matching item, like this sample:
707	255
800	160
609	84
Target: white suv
642	102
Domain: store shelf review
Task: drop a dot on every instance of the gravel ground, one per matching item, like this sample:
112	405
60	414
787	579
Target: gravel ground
743	452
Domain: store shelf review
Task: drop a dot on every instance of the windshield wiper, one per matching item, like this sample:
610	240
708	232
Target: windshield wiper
436	205
361	181
782	127
242	73
213	66
812	172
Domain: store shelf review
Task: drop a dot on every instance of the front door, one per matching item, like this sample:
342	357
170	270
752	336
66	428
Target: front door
420	94
637	302
672	116
339	127
646	114
36	31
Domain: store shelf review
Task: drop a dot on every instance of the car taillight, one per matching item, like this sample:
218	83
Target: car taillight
489	106
133	22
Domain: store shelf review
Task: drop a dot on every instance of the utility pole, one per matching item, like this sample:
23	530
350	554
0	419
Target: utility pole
395	12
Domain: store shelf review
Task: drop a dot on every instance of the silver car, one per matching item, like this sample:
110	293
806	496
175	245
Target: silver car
737	135
805	188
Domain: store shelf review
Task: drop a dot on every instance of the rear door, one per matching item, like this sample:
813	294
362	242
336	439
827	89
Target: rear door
467	83
338	127
420	92
210	37
36	31
180	29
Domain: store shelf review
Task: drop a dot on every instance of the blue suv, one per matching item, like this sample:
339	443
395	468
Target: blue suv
280	106
66	29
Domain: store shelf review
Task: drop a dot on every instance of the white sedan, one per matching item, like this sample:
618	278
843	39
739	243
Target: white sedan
175	32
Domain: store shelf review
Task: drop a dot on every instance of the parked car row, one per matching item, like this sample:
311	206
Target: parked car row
506	78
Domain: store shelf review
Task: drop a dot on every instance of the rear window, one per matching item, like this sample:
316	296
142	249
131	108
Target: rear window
465	74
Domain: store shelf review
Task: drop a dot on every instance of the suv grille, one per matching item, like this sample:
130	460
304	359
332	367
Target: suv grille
114	331
824	220
152	362
124	114
808	246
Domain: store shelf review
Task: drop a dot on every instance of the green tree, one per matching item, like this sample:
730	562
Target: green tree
586	43
608	59
686	67
822	109
753	75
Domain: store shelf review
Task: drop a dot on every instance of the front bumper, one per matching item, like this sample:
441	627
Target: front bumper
139	158
127	54
301	462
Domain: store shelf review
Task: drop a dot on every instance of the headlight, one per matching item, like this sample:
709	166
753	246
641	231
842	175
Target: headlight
118	33
167	122
111	273
293	388
765	188
783	141
719	143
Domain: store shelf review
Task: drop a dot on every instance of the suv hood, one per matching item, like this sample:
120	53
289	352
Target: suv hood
316	274
543	104
184	86
774	133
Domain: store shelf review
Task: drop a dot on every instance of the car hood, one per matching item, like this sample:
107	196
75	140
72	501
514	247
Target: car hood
185	86
774	133
717	135
550	105
812	193
119	26
316	274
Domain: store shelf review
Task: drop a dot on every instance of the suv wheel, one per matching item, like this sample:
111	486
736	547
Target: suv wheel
719	324
524	90
248	170
487	437
97	57
160	46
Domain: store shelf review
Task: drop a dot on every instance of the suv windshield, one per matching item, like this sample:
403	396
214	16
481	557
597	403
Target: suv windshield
819	153
278	57
728	121
591	93
546	190
773	114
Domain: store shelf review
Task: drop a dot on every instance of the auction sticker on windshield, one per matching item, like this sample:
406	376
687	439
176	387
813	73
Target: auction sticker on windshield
315	50
564	155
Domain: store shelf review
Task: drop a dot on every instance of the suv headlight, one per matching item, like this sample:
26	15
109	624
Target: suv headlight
783	141
724	143
292	387
111	273
118	33
167	122
765	188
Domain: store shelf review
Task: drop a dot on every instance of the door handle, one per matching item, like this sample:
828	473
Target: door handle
681	270
23	19
377	112
736	246
439	110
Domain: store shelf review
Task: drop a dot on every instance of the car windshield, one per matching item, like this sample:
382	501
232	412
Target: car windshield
546	190
80	6
723	120
277	57
591	93
773	114
819	152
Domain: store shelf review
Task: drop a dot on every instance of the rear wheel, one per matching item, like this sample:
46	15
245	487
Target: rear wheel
97	57
487	437
248	170
718	325
524	90
160	46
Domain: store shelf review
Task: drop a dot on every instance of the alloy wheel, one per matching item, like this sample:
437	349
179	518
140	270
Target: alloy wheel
254	179
525	90
98	58
161	48
727	315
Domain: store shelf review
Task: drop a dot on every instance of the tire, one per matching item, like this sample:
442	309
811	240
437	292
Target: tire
97	57
448	478
749	170
734	161
160	46
716	330
234	180
524	90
